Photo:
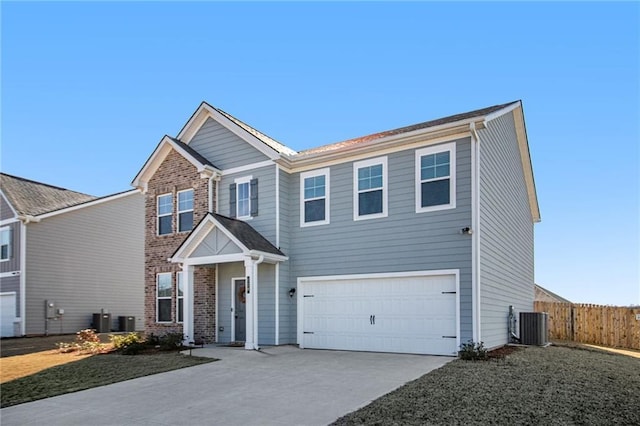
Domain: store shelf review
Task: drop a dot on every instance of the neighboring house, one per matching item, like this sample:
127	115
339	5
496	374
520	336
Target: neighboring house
544	295
77	253
411	240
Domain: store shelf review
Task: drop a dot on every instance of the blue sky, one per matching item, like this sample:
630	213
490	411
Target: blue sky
89	89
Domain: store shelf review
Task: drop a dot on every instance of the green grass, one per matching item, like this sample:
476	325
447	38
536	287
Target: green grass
97	370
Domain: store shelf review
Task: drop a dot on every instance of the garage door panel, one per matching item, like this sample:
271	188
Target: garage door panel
412	314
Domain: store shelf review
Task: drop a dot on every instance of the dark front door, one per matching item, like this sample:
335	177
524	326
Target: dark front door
240	310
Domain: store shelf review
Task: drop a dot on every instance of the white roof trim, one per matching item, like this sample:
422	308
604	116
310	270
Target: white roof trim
15	213
87	204
157	157
206	111
501	112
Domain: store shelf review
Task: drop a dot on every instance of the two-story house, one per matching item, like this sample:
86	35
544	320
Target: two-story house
411	240
65	256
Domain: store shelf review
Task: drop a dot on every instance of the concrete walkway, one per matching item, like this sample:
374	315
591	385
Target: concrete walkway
277	386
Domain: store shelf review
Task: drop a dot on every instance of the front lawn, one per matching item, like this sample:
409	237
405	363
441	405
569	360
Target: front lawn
554	385
85	373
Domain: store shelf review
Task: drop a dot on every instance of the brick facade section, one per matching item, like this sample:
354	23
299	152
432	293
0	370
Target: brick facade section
173	175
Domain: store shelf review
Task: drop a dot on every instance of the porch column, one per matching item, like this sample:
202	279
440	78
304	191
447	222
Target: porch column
251	300
187	289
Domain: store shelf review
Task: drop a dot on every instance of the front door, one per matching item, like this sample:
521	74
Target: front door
239	314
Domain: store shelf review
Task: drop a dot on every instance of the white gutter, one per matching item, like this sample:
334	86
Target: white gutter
475	236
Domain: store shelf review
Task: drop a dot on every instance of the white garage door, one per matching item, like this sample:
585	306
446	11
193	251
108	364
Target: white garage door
393	313
7	313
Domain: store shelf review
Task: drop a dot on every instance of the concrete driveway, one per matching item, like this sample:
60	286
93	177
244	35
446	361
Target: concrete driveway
280	385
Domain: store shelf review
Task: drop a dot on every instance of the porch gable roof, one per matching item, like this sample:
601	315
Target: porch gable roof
247	242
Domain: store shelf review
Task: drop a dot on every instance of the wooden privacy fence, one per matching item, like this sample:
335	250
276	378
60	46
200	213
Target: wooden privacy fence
612	326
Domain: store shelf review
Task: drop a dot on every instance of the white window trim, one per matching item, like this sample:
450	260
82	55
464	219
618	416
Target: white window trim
158	215
451	147
239	181
7	228
179	277
320	172
158	298
385	187
193	201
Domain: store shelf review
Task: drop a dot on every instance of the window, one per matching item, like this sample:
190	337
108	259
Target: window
163	295
5	243
165	214
370	188
185	210
314	198
435	178
180	298
243	198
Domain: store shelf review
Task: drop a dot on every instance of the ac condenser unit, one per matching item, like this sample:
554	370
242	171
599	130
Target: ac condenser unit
533	328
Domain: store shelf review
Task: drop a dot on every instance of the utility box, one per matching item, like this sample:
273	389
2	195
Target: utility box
127	324
102	322
533	328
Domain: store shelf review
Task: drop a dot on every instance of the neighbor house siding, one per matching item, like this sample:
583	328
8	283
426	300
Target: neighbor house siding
5	210
74	259
13	263
224	148
403	241
266	304
506	231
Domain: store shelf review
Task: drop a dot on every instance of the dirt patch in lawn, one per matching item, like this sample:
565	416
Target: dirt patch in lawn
15	367
553	385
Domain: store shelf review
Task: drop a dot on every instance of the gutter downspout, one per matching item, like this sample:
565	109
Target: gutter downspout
255	299
25	220
475	237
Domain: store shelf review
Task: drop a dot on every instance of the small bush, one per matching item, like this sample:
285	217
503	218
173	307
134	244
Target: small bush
472	351
87	341
128	344
170	341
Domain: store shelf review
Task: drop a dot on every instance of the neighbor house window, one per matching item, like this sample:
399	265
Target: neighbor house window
5	243
163	295
314	198
185	210
165	214
370	188
435	178
180	297
243	198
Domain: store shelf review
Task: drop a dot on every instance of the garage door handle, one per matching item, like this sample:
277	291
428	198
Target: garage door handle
449	337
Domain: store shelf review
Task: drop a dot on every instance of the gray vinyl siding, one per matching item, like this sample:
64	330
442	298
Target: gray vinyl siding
403	241
5	209
266	301
506	232
265	221
13	263
288	305
86	260
224	148
9	284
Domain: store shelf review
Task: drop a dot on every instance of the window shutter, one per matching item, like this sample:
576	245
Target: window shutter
232	200
254	197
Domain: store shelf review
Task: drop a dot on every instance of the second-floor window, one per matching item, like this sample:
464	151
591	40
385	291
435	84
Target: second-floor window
5	243
435	178
314	196
370	188
165	214
163	297
243	198
185	210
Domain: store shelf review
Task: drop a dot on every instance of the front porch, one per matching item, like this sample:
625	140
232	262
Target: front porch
246	266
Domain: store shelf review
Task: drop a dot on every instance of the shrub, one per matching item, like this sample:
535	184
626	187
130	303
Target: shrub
170	341
87	341
472	351
128	344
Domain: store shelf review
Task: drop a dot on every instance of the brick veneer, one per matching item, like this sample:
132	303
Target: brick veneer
173	175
